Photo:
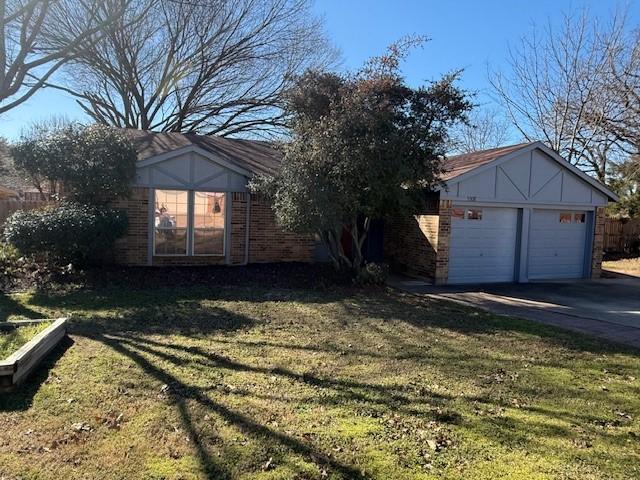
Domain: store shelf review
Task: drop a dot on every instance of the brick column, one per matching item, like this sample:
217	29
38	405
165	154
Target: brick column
133	247
238	227
598	243
444	233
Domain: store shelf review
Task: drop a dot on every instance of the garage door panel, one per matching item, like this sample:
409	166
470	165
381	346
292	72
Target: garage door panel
556	249
483	250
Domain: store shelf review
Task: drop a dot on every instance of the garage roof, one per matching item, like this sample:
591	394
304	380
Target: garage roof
255	156
468	164
459	164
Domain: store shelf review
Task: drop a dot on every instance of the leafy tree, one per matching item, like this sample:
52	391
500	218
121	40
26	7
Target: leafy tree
90	164
363	146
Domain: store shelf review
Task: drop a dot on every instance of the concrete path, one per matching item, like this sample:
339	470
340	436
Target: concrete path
605	308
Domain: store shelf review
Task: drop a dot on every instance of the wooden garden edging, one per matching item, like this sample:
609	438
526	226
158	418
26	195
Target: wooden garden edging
15	368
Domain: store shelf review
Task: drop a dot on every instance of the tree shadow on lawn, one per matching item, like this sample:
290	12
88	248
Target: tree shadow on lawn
182	393
150	354
182	312
161	305
10	307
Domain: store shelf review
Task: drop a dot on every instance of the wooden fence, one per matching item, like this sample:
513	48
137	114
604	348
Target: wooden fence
621	235
10	205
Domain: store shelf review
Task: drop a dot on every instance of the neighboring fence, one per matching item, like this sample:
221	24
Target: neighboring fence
621	235
10	205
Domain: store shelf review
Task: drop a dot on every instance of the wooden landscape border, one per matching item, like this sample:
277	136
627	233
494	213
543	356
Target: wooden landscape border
15	368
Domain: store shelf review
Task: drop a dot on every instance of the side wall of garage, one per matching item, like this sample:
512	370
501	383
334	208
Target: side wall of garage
419	244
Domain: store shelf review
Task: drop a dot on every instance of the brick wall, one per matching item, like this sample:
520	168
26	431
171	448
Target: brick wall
132	249
267	242
598	243
444	234
419	244
410	243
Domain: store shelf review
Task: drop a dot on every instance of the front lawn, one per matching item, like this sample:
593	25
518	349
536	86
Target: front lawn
273	381
628	266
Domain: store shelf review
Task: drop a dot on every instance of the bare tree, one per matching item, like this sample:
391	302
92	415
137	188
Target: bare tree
213	66
622	87
554	92
38	36
485	128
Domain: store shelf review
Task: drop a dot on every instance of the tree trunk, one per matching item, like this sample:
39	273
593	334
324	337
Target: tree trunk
332	240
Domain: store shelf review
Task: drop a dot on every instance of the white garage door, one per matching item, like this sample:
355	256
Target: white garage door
557	243
483	243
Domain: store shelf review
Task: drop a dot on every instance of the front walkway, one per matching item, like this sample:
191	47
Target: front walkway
606	308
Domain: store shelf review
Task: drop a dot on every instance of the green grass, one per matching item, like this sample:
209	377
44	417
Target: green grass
12	340
253	383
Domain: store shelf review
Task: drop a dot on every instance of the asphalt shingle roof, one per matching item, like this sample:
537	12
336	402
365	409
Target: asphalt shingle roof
459	164
256	156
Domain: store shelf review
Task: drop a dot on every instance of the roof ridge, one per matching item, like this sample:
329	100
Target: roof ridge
492	149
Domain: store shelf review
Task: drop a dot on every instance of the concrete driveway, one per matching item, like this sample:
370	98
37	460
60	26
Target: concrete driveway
606	308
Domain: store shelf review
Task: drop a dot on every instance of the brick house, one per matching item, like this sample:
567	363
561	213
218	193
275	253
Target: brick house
190	204
510	214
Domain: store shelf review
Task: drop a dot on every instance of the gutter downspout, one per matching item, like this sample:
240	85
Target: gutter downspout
246	230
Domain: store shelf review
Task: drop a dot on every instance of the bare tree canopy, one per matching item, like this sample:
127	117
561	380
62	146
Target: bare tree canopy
554	90
622	86
485	128
38	36
211	66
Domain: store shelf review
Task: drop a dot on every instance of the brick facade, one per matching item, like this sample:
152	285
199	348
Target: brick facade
267	242
132	249
598	243
444	235
410	243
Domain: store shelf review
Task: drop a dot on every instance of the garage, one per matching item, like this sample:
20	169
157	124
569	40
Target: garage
483	244
519	213
557	244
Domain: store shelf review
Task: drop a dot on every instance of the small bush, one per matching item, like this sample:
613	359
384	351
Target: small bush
373	274
20	272
69	232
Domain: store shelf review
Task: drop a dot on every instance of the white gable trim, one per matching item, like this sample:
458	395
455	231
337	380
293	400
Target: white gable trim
549	152
194	149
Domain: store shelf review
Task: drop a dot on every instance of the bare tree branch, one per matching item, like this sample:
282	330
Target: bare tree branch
554	90
213	67
37	37
485	129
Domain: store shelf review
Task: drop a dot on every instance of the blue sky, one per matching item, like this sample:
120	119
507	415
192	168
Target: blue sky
464	34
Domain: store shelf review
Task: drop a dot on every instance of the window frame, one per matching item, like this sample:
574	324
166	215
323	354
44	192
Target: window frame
467	214
565	214
190	230
193	229
153	226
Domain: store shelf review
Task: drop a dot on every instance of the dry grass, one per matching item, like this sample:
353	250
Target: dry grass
248	383
628	266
